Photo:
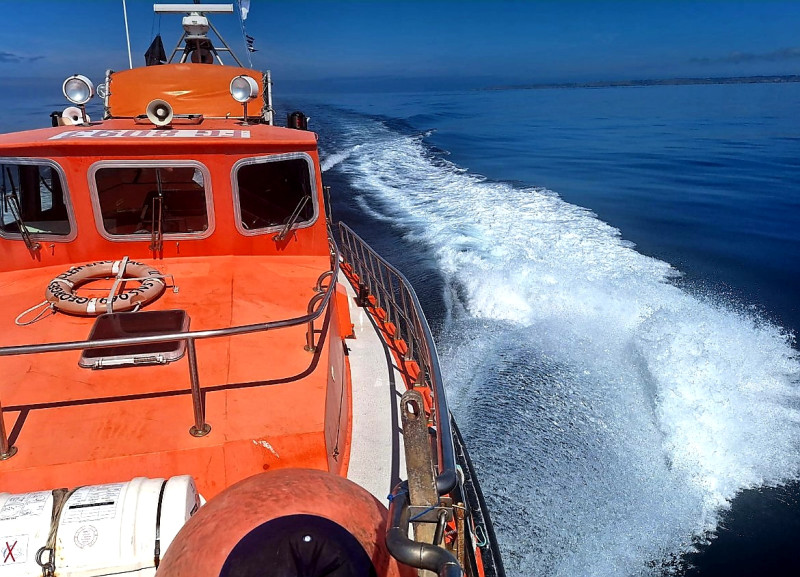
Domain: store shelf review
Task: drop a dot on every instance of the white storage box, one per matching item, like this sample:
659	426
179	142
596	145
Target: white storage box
103	529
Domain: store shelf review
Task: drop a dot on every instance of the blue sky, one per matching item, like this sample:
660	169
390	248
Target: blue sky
467	42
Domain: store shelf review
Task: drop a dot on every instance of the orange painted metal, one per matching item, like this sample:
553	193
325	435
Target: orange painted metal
338	403
116	424
343	311
76	156
189	88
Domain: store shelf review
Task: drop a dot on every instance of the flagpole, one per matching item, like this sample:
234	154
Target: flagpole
244	9
127	33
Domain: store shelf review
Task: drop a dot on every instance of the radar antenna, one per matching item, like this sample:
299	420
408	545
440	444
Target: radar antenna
197	46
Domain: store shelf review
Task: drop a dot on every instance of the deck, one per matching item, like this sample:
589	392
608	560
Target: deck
267	399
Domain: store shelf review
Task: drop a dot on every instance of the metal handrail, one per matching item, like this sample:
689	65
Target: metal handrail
413	553
393	293
196	335
200	427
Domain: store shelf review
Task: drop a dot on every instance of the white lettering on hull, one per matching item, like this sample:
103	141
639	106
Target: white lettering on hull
193	133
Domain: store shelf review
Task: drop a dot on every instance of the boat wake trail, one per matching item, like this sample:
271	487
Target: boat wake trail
337	158
611	414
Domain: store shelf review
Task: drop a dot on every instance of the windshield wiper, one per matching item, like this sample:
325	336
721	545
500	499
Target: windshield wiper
11	204
157	219
293	218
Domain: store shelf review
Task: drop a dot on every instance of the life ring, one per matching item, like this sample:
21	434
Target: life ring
61	295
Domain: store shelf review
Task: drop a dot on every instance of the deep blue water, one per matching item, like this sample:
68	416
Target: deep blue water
612	274
612	278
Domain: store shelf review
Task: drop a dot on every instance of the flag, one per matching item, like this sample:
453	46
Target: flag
155	54
244	8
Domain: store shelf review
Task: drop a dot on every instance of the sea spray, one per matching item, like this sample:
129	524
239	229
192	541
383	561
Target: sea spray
612	415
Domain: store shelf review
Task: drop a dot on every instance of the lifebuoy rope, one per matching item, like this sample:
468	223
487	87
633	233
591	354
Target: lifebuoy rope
38	317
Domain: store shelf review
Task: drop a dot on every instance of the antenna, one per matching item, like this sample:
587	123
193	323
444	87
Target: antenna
127	33
189	8
195	31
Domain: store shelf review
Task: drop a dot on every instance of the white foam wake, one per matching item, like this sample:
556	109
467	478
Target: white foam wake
614	414
336	158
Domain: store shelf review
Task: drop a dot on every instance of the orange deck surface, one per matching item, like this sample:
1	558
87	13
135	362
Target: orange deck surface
265	395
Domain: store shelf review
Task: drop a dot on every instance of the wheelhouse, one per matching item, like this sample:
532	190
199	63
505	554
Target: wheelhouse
248	190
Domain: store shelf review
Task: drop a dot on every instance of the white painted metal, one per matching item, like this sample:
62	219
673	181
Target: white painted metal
189	8
127	33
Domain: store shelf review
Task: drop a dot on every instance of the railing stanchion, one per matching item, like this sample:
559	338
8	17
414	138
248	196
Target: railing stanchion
7	450
408	334
200	427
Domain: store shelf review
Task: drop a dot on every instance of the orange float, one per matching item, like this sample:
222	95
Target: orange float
286	522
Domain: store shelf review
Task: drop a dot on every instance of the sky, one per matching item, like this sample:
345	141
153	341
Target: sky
415	43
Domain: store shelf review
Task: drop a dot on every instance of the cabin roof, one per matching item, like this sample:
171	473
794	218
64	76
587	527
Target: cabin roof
208	135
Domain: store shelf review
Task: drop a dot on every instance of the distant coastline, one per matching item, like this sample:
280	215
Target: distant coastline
655	82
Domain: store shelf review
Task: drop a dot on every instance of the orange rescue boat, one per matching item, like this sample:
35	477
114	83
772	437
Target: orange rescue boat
202	374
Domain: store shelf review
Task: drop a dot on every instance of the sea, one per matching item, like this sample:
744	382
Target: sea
612	276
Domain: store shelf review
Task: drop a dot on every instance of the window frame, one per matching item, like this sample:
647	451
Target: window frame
147	163
237	205
73	225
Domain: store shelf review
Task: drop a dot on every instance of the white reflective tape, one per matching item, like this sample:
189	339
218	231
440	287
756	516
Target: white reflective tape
115	266
90	307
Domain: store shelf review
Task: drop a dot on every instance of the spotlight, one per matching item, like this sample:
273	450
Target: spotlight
78	89
244	89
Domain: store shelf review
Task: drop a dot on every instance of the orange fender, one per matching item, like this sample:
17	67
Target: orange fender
300	521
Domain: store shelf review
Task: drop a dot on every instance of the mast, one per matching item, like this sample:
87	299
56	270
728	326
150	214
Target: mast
127	33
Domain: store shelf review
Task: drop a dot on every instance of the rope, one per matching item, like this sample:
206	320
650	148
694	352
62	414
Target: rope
481	539
391	496
420	514
38	317
60	497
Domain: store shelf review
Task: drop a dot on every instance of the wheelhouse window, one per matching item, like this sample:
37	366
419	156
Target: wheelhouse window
275	192
33	200
138	200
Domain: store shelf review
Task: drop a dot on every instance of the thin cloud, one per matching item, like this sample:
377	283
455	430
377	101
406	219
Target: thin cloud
740	57
12	58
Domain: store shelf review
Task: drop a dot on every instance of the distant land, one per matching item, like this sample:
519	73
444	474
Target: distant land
656	82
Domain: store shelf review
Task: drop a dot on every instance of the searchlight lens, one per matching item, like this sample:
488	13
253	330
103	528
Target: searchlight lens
244	89
78	89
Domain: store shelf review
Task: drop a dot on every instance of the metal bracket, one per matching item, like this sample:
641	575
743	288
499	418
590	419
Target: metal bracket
419	462
419	514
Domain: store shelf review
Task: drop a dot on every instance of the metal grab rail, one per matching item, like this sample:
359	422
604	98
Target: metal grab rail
200	427
414	553
393	293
